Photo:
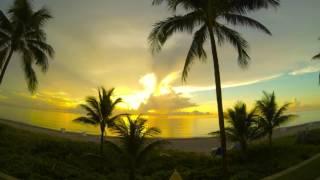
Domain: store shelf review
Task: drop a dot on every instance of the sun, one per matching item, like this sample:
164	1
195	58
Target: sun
151	87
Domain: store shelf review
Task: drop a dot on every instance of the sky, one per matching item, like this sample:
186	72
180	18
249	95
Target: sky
104	43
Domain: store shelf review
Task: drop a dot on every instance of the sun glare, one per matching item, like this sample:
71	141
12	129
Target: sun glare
151	87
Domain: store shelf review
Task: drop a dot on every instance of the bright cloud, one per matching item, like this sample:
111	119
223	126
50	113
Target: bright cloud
306	70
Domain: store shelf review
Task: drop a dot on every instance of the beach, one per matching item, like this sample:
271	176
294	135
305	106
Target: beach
196	144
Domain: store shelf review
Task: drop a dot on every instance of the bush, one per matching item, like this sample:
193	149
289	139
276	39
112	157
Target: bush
308	137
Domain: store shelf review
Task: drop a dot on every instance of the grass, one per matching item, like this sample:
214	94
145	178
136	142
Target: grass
28	155
308	172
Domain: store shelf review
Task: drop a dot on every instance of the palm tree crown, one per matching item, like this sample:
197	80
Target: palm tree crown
271	115
134	145
100	111
231	12
243	124
22	32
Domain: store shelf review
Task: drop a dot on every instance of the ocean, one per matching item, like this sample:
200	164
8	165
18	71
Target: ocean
177	126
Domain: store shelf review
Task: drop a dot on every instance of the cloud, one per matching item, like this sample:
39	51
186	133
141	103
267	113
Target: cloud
306	70
166	103
45	101
192	89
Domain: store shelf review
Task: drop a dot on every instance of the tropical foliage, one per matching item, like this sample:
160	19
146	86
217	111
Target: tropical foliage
209	19
100	112
134	146
271	115
22	32
242	125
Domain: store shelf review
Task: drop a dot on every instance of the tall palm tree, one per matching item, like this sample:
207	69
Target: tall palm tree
21	32
243	125
210	17
100	112
134	146
271	115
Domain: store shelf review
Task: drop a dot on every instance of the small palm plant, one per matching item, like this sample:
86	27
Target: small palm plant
271	115
100	112
22	32
242	125
134	146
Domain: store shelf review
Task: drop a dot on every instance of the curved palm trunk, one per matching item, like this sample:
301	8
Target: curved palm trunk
3	71
218	90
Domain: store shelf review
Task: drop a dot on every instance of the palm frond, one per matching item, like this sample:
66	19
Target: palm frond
3	57
86	120
40	17
40	57
164	29
42	46
236	19
249	5
30	74
196	50
236	40
316	56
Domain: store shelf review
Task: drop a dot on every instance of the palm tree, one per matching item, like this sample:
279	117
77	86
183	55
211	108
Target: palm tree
100	112
271	115
210	16
243	125
134	146
21	32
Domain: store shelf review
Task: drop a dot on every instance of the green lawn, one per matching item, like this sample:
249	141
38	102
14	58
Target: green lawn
310	171
28	155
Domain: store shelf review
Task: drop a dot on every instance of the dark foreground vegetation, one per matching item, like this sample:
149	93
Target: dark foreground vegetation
35	156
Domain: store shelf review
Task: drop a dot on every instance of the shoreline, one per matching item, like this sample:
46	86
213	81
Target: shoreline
193	144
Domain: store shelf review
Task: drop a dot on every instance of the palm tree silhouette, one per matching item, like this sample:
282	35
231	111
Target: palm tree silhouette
22	32
243	125
100	112
134	146
208	15
271	115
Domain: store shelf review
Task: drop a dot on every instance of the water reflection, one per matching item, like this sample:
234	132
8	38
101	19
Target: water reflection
178	126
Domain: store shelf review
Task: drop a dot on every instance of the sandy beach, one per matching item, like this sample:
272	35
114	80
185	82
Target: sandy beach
199	145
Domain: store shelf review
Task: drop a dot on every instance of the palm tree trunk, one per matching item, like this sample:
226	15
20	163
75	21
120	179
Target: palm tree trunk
218	90
244	146
101	140
270	138
3	70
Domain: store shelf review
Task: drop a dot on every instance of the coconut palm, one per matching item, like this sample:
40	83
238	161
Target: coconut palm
100	112
211	18
22	32
134	147
243	125
271	115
